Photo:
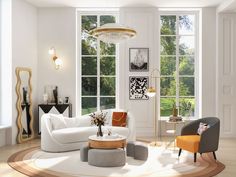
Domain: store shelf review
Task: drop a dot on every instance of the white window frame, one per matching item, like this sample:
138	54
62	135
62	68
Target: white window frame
197	60
97	12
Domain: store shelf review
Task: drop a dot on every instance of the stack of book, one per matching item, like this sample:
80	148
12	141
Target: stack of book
175	118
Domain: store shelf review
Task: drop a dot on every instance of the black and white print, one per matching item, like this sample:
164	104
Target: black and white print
138	87
138	59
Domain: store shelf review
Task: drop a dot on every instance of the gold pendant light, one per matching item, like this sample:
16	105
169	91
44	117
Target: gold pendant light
113	33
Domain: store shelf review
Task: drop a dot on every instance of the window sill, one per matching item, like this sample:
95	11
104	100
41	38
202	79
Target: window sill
2	127
184	118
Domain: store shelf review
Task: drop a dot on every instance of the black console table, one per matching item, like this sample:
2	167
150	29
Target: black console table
65	109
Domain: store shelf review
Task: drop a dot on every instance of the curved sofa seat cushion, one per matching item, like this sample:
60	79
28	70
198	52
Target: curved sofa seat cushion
80	134
75	134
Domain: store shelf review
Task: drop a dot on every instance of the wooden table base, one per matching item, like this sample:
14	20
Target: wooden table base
107	144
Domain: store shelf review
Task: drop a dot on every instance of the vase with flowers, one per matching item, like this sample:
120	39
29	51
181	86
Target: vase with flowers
98	119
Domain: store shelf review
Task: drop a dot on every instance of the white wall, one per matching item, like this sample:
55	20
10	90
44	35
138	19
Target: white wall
56	27
208	62
144	21
226	73
24	50
5	72
5	63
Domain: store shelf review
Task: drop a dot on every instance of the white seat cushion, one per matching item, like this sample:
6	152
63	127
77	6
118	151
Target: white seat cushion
72	135
78	134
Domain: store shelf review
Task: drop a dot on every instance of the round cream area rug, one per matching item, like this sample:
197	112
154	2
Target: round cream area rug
161	162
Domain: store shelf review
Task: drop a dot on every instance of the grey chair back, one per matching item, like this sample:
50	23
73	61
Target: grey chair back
210	138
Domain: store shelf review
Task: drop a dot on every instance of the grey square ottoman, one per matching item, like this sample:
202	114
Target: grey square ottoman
140	151
130	148
106	157
84	153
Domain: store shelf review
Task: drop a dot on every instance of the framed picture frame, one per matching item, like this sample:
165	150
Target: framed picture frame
138	86
138	59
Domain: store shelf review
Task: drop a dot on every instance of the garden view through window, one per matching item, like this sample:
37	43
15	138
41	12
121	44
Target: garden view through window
177	64
98	66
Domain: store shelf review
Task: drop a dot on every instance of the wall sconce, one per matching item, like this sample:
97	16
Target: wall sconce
58	62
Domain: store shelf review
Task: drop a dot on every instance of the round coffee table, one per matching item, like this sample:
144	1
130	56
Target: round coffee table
107	142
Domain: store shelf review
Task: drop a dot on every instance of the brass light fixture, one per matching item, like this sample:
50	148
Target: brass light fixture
113	33
151	92
58	62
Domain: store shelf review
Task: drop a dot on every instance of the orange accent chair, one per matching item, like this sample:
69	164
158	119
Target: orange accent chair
208	141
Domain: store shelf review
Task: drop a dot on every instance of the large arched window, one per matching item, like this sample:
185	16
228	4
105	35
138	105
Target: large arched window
97	61
179	63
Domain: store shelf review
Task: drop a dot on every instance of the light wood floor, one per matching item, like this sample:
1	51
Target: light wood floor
226	154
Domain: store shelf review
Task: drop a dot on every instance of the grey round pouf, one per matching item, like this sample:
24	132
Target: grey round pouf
140	151
84	153
130	148
106	157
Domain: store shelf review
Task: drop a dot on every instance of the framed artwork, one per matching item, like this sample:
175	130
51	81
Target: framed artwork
138	59
138	86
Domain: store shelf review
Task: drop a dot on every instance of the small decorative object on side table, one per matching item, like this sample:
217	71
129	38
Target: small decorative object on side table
109	131
174	117
98	118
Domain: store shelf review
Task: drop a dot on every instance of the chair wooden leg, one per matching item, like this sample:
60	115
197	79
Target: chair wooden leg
195	157
214	154
180	150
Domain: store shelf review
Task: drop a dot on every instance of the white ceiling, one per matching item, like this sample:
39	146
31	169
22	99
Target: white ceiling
126	3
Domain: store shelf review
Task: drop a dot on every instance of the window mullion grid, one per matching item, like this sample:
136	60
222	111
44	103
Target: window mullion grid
108	56
177	63
98	67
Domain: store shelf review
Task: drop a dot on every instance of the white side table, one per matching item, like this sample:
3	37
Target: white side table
174	124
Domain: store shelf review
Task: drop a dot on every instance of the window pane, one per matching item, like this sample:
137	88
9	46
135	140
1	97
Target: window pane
168	25
89	66
186	65
107	48
107	86
89	23
89	45
107	19
167	106
89	85
186	45
168	45
186	86
186	24
108	102
168	86
187	107
168	65
89	105
108	66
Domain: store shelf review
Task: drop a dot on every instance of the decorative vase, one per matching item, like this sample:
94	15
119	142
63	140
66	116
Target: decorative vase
175	112
99	133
